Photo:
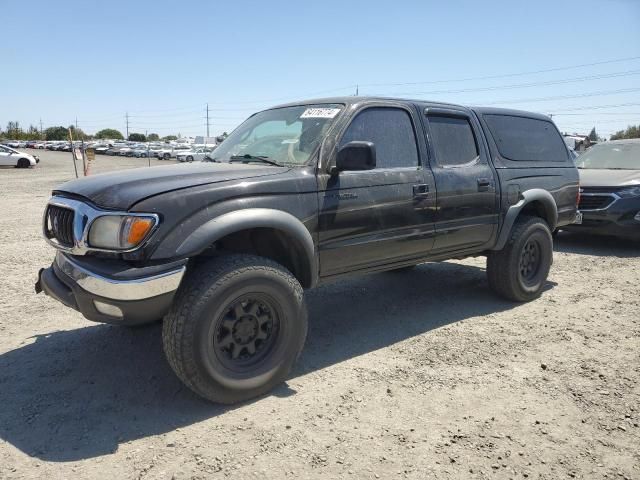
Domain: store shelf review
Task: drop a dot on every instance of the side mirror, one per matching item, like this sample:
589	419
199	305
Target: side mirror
355	155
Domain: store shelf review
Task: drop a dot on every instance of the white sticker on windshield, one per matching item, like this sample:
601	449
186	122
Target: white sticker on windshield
320	113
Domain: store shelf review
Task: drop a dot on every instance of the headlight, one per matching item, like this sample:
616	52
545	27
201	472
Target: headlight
120	232
627	192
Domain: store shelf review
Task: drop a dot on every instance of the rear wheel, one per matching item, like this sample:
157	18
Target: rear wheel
519	271
166	156
236	328
23	163
189	158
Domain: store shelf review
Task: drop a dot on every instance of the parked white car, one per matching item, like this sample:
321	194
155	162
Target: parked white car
13	158
179	150
163	153
191	155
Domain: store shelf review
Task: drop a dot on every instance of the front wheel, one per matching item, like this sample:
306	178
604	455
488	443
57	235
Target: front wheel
236	327
23	163
519	271
189	158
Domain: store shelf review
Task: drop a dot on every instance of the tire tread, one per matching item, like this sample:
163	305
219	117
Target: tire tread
178	331
503	261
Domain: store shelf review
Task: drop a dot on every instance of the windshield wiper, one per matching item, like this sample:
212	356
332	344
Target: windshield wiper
255	158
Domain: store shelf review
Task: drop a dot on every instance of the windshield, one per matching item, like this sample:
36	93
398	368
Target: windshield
286	136
612	156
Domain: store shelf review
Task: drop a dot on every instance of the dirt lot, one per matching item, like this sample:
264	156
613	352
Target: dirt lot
423	374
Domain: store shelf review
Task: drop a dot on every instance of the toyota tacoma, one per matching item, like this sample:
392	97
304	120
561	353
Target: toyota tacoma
299	195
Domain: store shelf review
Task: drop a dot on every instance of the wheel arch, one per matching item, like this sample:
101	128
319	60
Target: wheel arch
534	202
270	233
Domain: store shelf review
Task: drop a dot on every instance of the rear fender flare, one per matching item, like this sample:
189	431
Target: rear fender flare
527	197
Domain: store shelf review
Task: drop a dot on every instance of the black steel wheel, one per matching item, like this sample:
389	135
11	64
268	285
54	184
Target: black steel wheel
519	271
246	332
530	260
236	327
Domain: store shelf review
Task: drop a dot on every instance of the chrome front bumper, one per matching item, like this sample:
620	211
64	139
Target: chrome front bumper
112	292
135	289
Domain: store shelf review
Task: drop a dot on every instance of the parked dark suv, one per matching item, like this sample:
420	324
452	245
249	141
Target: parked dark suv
296	196
610	189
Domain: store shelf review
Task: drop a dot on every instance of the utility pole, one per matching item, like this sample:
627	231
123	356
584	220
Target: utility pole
207	123
356	90
76	123
41	132
126	116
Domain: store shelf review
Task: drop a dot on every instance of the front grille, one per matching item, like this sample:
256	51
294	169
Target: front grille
60	224
595	202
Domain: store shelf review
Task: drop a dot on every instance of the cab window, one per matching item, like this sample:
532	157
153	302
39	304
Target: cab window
391	132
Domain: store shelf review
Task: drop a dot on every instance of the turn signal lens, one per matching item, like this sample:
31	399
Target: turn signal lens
136	229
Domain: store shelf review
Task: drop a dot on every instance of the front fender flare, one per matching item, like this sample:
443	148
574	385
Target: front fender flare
528	196
223	225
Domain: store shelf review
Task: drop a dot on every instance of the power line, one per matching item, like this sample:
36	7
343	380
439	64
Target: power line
590	122
165	110
525	85
163	115
504	75
596	107
563	97
599	113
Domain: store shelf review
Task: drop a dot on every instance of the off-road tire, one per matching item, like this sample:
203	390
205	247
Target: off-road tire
23	163
504	267
189	330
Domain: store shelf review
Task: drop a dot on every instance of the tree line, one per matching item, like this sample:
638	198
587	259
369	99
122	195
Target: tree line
632	131
15	132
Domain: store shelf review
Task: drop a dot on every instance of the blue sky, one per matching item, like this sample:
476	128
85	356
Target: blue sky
162	61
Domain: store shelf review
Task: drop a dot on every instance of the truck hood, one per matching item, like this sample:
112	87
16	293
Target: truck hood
600	177
121	190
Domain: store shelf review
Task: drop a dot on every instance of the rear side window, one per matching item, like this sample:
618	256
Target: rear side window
391	131
527	139
452	140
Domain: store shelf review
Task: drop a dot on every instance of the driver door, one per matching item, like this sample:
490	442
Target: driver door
373	218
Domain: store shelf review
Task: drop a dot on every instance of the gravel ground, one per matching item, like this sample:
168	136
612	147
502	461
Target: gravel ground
422	374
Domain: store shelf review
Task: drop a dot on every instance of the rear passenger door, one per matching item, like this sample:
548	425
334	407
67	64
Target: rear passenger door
381	216
467	200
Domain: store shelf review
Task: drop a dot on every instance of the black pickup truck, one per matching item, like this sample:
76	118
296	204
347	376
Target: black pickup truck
299	195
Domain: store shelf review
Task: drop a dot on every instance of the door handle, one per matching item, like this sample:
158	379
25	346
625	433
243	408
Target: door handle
484	184
421	190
